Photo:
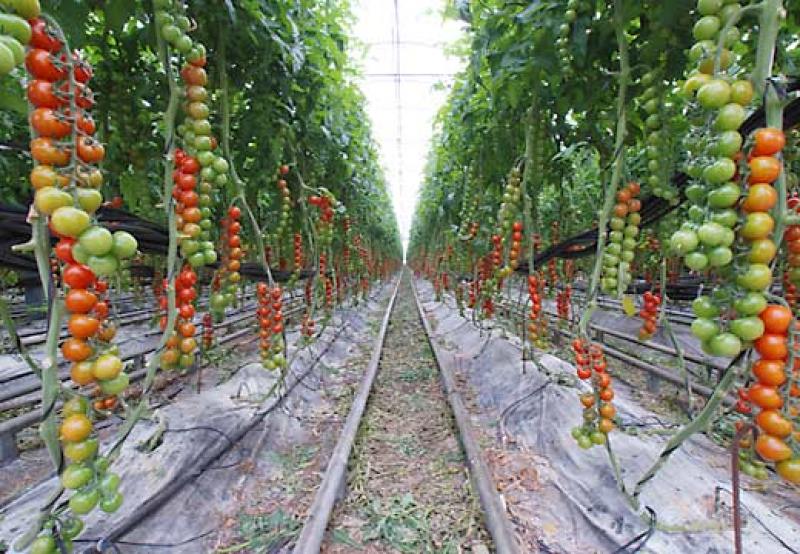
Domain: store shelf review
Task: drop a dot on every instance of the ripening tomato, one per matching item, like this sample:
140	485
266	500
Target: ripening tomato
776	318
764	169
607	411
606	425
90	151
186	329
789	470
75	428
77	276
772	346
765	397
42	95
45	151
773	423
768	141
48	123
81	373
772	449
194	76
770	372
761	197
80	301
76	350
82	326
40	64
101	310
188	345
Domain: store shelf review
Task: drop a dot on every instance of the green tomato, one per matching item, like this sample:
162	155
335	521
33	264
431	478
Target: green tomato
170	32
221	165
757	225
725	345
714	94
696	261
209	256
720	256
708	7
729	11
617	223
695	193
747	328
197	260
111	504
15	26
683	241
704	329
757	277
80	451
84	501
730	117
103	266
48	199
727	218
704	307
96	240
585	442
728	236
614	248
43	544
206	158
74	406
71	527
706	28
76	476
89	199
720	171
752	303
598	438
221	180
109	484
69	221
710	234
727	144
101	464
189	247
724	196
742	92
115	385
125	245
218	302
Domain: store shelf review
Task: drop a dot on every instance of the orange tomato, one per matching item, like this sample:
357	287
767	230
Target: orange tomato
607	411
82	326
772	449
75	350
587	400
765	397
605	425
770	372
80	301
81	373
764	169
607	394
75	428
45	151
761	197
768	141
772	346
776	318
773	423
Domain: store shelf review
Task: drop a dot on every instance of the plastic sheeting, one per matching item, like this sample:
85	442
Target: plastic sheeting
198	509
574	505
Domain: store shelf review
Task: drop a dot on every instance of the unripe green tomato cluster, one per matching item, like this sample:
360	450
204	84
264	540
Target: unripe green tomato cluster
15	33
562	42
657	151
622	240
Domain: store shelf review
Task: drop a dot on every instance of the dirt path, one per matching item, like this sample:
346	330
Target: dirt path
408	489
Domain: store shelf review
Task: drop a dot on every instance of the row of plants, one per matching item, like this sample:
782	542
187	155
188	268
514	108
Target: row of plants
606	109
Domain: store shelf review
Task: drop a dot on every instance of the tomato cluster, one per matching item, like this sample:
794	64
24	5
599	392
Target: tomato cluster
792	237
619	252
534	317
181	344
15	32
564	31
193	218
270	323
326	203
649	314
769	392
507	225
563	299
286	202
598	411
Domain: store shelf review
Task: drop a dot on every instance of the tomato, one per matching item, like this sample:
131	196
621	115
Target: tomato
752	303
703	306
683	241
42	38
42	95
76	350
188	345
756	277
187	329
39	63
194	76
234	212
747	328
704	329
789	470
773	423
86	123
45	151
714	94
764	396
104	265
47	200
101	310
606	425
768	141
106	367
84	501
724	196
96	240
776	318
116	385
48	123
80	451
169	357
742	92
772	449
764	169
90	151
770	372
757	225
725	345
761	197
730	117
111	503
81	373
82	326
44	176
720	171
83	71
124	245
772	347
75	428
79	300
706	28
76	476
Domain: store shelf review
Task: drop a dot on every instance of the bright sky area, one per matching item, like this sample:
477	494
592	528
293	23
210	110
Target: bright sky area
405	58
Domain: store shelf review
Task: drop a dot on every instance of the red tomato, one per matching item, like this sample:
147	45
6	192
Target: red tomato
77	276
